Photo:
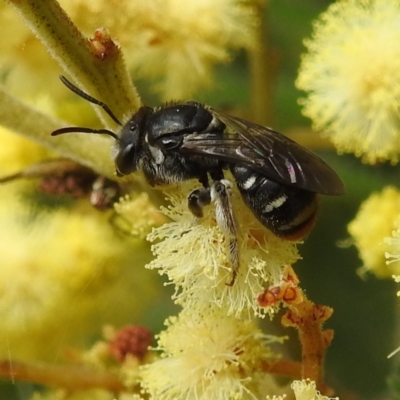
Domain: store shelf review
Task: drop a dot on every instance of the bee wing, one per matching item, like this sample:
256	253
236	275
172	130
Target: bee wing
265	151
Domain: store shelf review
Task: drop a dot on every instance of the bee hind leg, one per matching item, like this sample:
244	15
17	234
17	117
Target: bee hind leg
220	195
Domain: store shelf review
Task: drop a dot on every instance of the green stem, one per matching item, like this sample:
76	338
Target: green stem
100	73
261	73
92	151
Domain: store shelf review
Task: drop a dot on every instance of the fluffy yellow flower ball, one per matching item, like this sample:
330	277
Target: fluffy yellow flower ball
351	75
375	221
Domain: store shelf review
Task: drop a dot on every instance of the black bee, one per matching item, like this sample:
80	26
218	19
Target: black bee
278	179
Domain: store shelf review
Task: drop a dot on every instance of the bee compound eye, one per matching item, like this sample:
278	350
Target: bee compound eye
125	161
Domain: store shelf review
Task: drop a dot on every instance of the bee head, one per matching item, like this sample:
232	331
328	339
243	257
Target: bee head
129	142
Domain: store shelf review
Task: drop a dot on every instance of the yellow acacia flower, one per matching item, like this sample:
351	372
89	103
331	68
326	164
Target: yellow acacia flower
207	355
58	269
138	214
393	250
174	43
307	390
351	73
17	153
195	256
375	221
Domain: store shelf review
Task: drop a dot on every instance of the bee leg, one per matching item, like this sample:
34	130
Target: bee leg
198	199
220	195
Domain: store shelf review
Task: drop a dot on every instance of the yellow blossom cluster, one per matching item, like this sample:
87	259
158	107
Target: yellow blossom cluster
209	355
351	75
393	249
58	269
137	215
195	256
174	44
213	348
17	153
376	219
59	266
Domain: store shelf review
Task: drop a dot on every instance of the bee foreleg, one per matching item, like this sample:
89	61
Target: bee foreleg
220	195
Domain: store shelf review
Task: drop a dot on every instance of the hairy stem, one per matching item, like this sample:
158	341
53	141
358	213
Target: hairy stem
66	376
89	150
96	65
262	67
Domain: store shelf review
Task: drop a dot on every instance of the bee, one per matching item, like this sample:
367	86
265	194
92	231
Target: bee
278	179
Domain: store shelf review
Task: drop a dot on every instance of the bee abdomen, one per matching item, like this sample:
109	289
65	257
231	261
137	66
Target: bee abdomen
297	222
287	211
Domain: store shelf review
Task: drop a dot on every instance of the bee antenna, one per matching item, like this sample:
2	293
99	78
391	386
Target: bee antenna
87	97
73	129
